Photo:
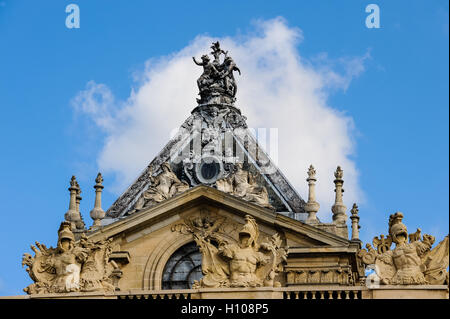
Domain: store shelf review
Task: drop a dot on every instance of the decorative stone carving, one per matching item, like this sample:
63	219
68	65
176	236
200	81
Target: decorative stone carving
230	263
97	272
165	185
341	276
217	83
382	244
244	184
212	157
207	224
412	263
71	266
415	236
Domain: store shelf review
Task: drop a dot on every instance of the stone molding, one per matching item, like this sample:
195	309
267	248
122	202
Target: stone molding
294	292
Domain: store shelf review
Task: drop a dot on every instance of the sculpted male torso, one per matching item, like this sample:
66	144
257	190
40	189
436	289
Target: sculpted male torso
407	261
243	261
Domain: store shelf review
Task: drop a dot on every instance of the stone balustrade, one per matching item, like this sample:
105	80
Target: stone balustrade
309	292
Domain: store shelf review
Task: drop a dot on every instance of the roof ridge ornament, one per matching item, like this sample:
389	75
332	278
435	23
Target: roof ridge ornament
355	222
312	206
72	215
97	213
338	209
217	84
79	224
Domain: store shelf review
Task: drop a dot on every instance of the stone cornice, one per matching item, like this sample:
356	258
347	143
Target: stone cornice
201	195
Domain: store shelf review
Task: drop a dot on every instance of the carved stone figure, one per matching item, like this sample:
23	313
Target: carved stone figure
225	184
227	74
71	266
243	184
216	52
244	257
209	72
217	83
412	263
230	263
256	193
165	185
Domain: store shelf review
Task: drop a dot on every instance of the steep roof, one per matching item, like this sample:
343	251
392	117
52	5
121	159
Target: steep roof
213	147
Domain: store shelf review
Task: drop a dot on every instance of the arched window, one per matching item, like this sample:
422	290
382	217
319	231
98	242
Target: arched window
183	267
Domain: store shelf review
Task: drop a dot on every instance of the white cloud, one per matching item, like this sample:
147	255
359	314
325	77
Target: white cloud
278	89
97	101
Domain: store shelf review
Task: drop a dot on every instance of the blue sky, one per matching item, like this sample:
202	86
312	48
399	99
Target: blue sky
398	103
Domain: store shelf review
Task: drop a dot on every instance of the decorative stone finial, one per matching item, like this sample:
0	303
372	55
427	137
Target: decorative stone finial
97	214
79	224
311	173
338	209
72	214
312	207
339	174
355	222
78	198
99	180
73	181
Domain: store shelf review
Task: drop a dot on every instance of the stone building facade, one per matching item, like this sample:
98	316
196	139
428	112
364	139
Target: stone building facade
212	216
